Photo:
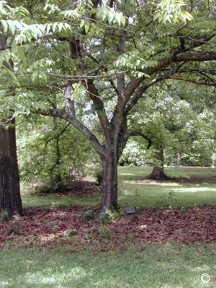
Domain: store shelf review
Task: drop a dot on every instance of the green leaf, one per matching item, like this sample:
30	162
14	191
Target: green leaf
34	76
5	25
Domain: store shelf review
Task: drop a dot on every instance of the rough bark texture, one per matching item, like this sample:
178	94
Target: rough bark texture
158	171
10	199
109	182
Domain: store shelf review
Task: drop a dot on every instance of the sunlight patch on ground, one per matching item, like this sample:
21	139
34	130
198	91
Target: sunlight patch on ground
147	182
193	189
127	192
38	278
127	174
4	284
55	278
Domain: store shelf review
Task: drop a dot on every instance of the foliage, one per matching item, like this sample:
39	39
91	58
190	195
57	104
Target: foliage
90	62
171	11
54	146
104	232
179	120
4	216
135	154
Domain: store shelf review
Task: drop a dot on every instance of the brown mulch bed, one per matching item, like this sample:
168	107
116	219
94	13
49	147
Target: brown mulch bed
68	226
81	189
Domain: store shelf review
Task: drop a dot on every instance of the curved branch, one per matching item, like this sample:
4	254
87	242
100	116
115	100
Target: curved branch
183	58
99	148
139	133
99	107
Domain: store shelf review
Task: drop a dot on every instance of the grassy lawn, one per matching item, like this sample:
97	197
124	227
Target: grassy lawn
171	265
52	200
134	190
152	266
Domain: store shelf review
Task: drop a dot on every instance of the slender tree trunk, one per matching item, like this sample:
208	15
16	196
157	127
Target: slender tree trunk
158	170
178	159
10	199
110	181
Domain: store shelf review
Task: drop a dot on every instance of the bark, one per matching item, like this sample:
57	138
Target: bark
158	170
110	181
178	159
10	199
157	173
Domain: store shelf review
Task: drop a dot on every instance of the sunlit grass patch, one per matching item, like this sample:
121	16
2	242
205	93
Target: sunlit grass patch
155	266
53	200
135	190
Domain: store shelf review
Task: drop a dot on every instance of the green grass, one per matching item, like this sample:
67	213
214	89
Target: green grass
170	265
152	266
53	200
130	172
135	190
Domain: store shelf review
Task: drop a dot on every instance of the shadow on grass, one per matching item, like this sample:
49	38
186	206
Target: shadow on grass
164	266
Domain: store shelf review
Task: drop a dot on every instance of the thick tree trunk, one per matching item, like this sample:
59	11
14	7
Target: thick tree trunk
114	147
110	181
157	173
158	170
10	199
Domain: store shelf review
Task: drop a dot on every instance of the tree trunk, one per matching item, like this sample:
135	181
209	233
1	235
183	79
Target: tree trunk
110	181
10	199
178	159
158	170
157	173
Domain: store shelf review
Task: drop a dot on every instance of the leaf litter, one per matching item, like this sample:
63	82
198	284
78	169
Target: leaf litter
43	227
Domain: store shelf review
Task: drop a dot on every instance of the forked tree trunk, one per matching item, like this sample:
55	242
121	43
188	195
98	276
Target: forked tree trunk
110	181
158	170
10	199
114	147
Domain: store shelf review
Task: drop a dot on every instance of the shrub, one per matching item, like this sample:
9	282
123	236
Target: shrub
4	216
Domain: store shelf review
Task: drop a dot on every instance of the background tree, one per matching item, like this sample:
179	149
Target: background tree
178	118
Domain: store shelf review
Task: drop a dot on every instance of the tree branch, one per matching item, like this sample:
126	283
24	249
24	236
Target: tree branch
212	84
144	87
99	107
163	63
99	148
139	133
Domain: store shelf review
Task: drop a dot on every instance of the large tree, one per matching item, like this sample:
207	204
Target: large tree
102	57
10	199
